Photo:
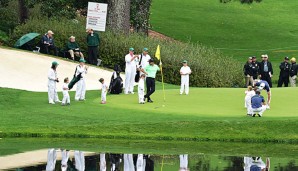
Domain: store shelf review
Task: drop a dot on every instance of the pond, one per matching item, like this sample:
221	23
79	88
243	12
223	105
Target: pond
111	155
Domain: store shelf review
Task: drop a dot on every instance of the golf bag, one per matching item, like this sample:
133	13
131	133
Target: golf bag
116	84
74	80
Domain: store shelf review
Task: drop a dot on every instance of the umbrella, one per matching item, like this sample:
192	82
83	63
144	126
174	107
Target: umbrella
26	38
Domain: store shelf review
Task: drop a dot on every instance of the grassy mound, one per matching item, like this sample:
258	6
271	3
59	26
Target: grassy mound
205	114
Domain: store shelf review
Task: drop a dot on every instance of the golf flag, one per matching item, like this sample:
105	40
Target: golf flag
157	55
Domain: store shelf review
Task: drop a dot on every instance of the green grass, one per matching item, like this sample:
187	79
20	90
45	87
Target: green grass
204	115
239	30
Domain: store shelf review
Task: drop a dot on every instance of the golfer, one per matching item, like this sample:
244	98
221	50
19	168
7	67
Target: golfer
130	71
52	80
81	85
258	104
264	85
150	71
184	72
93	43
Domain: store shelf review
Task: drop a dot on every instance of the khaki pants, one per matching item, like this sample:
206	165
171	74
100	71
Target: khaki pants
293	81
249	80
72	53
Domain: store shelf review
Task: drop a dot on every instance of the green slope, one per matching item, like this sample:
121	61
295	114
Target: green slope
206	114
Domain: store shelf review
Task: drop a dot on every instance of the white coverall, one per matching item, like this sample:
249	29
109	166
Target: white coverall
81	85
103	165
51	160
65	157
66	98
183	161
141	163
130	72
141	89
128	162
185	79
104	90
52	91
79	160
144	62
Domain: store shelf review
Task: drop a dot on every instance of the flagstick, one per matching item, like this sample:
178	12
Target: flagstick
163	85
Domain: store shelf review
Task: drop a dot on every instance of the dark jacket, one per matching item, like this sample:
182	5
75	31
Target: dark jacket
93	40
71	45
48	40
293	69
284	69
261	68
255	69
247	69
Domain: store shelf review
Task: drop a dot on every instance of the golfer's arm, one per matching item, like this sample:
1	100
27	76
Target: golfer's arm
269	97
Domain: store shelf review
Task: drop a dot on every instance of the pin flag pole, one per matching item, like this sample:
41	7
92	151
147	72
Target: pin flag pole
157	55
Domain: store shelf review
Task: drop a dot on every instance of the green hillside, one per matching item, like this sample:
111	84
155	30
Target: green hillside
239	30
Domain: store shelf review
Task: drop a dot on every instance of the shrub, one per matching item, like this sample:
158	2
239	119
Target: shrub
209	67
9	16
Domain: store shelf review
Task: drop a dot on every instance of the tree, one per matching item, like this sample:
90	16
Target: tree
118	18
139	15
23	11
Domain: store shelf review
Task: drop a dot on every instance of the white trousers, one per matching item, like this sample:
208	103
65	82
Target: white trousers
81	90
141	163
66	98
79	160
103	165
51	160
183	161
130	74
103	96
52	92
184	84
65	157
141	95
248	105
293	81
128	162
259	110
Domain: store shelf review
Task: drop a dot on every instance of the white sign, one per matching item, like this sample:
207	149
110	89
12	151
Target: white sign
97	16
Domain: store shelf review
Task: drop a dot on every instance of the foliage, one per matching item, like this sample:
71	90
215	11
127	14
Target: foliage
242	1
9	16
139	15
3	37
58	8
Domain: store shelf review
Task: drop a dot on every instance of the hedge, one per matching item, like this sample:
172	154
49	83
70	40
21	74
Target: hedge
209	67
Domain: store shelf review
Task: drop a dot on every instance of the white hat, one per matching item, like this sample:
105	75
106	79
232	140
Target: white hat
72	37
262	86
50	32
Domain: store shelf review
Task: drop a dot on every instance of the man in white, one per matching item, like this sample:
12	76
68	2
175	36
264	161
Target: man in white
183	162
103	165
184	72
141	89
81	85
130	71
79	160
128	162
141	163
52	80
143	59
66	98
51	160
65	157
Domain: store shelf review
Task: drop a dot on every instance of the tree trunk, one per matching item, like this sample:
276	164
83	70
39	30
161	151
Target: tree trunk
23	11
140	15
118	18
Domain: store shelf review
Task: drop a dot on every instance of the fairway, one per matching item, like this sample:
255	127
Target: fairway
205	114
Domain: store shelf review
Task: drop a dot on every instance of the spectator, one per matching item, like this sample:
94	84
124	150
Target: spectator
48	43
284	73
248	72
258	104
93	43
293	72
150	71
266	70
255	68
73	48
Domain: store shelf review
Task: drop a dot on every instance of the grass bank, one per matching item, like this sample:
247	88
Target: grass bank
204	115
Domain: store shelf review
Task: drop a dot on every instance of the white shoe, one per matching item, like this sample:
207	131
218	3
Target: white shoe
51	102
267	107
58	101
132	92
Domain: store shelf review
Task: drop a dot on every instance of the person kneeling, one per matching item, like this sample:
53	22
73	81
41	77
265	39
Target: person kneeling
258	105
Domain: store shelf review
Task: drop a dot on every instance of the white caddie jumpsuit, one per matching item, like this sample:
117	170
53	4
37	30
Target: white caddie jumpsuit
103	165
66	98
81	85
52	90
183	161
104	89
185	79
65	157
130	73
51	160
141	89
79	160
141	163
128	162
144	62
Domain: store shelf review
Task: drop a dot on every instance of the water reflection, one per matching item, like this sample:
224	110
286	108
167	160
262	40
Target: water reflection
73	160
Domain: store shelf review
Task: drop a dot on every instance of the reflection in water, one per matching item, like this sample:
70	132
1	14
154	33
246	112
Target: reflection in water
86	161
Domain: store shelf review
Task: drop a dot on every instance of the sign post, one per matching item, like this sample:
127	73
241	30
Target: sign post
97	16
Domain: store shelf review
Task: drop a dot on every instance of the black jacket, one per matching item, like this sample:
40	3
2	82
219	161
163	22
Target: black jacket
293	69
247	69
255	68
284	69
261	67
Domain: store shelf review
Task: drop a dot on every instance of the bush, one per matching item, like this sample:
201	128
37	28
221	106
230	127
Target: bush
209	67
9	16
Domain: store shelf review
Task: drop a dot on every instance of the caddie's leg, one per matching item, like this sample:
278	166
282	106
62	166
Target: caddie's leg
79	90
186	85
182	85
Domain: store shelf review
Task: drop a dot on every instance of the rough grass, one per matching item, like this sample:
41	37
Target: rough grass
204	115
239	30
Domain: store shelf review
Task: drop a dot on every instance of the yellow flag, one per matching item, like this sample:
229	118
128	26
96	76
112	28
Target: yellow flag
157	53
